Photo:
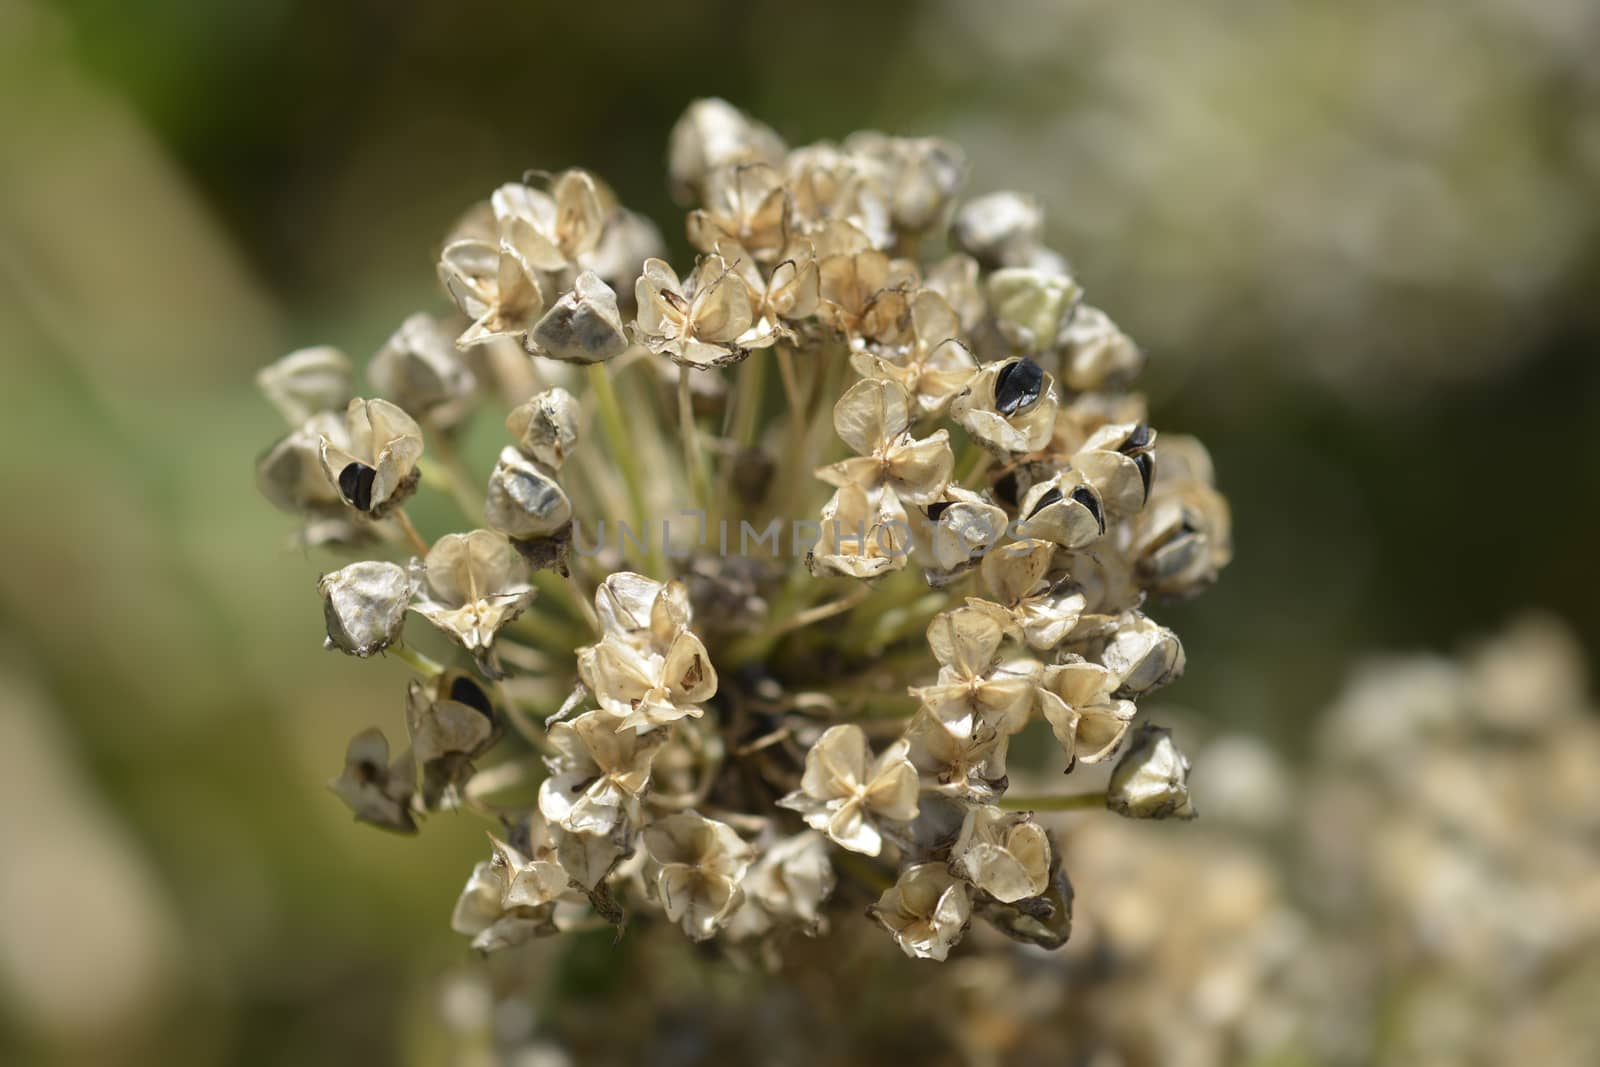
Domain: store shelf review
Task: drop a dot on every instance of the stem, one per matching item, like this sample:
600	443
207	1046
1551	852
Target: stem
694	463
745	425
416	660
1068	802
615	428
404	521
458	480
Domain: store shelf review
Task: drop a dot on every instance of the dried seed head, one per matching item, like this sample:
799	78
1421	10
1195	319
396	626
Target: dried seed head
926	911
699	323
365	606
1030	306
308	382
419	370
999	229
451	722
545	427
1151	780
959	530
1005	854
524	500
583	326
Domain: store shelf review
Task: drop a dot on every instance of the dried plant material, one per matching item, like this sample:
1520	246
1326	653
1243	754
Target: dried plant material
374	468
847	794
365	605
926	911
1151	780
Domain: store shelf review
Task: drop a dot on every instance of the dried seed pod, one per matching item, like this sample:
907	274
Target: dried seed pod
494	285
1064	510
552	230
1005	854
1044	921
956	533
1151	780
1076	699
374	466
583	326
290	473
308	382
999	229
451	722
1031	306
545	426
873	417
712	135
926	911
919	175
524	500
975	691
418	369
1095	354
699	323
937	364
693	866
1119	461
597	774
1009	406
1030	606
1143	655
846	794
787	885
745	204
864	535
365	606
473	585
972	768
376	790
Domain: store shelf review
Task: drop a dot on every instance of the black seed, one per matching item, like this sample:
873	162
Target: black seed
355	482
1086	496
464	690
1017	385
937	508
1005	489
1139	438
1147	469
1053	496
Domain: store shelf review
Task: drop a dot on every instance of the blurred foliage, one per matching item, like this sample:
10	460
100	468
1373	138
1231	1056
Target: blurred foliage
189	190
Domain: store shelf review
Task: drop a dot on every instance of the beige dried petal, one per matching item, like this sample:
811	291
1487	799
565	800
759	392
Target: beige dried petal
966	641
419	370
454	720
744	203
956	279
1087	721
308	382
524	501
1151	780
972	767
364	605
598	773
957	532
290	473
926	911
1006	854
494	285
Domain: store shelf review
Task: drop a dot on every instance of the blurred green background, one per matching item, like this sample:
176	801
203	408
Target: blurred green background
1360	240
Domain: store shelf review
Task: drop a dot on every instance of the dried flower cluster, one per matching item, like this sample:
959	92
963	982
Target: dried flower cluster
1421	890
723	696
